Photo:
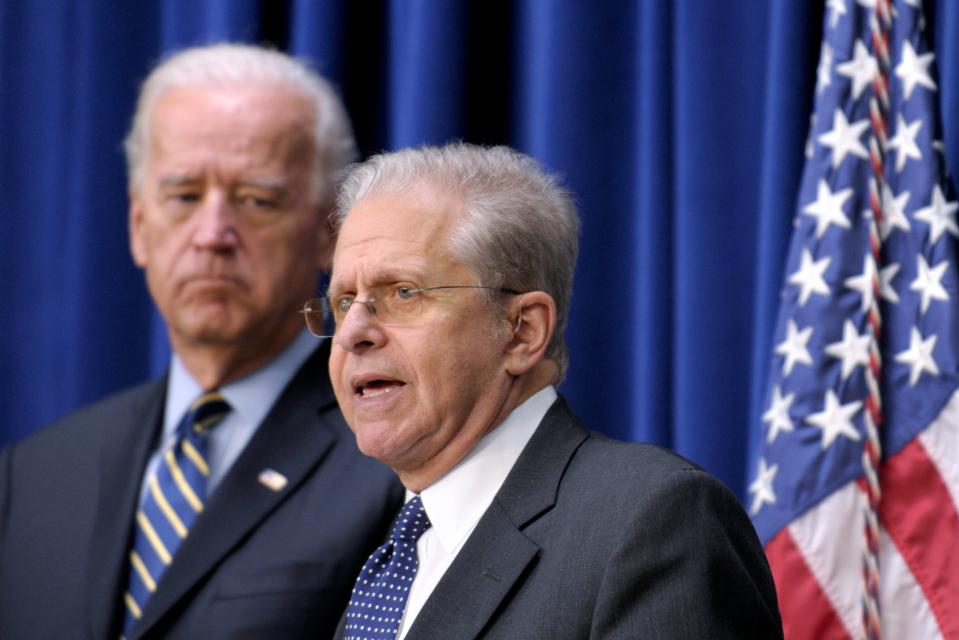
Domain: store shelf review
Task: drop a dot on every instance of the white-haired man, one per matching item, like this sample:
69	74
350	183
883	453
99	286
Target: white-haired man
450	289
227	499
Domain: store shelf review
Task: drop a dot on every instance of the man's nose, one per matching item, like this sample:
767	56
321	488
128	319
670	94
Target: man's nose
215	223
359	330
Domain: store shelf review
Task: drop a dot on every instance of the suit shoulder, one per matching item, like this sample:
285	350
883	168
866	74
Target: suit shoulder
600	465
621	471
633	458
78	424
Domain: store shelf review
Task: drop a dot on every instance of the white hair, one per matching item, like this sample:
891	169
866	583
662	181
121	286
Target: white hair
520	229
227	64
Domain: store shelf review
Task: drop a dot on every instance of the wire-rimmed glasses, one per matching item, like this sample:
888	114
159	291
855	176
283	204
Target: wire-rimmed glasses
391	305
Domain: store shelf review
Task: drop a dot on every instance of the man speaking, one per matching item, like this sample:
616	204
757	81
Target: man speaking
450	290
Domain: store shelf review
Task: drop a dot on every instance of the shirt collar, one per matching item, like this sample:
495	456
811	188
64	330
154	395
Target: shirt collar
455	502
251	397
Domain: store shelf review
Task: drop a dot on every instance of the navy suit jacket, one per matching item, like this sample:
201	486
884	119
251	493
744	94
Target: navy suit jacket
257	563
593	538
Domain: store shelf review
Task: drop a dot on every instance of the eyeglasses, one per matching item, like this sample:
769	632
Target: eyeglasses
391	305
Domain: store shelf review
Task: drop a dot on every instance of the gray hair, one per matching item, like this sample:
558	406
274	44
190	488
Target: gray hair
227	64
520	229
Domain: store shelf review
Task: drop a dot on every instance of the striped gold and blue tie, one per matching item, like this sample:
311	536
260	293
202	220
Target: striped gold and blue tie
174	497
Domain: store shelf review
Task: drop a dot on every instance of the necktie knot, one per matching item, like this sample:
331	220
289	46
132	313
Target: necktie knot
205	412
411	522
383	586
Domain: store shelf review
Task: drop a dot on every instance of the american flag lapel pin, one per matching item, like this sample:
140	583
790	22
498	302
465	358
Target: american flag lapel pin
272	479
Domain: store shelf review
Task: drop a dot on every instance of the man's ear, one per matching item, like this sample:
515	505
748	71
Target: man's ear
136	230
325	242
533	321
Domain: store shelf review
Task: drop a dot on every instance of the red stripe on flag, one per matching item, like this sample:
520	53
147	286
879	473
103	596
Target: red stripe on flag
806	611
920	518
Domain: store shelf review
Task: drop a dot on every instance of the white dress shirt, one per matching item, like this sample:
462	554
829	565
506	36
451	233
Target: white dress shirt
250	398
455	502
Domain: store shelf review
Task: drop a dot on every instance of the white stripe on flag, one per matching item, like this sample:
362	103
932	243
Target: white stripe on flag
905	610
828	536
941	442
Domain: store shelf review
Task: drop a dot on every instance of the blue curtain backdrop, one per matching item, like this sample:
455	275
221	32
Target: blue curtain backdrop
679	124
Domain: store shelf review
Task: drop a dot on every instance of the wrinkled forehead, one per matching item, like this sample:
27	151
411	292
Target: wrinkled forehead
234	118
392	233
281	101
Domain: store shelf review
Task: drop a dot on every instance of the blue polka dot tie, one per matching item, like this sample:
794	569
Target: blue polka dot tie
379	597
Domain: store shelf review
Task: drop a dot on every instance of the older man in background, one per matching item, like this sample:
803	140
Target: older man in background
227	499
450	289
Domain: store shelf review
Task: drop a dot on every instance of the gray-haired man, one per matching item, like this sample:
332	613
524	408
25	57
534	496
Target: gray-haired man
227	499
450	289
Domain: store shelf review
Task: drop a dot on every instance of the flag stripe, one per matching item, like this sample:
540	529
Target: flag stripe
917	512
806	611
941	442
905	610
828	537
821	538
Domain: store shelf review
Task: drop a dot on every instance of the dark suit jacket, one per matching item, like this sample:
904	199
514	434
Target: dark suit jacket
593	538
256	563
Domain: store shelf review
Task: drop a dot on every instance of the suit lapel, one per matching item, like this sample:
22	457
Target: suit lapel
292	440
497	553
123	454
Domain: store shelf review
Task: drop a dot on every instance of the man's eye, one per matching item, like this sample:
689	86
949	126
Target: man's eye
343	304
406	293
185	197
258	202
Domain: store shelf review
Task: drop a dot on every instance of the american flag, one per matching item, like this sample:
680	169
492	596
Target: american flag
866	355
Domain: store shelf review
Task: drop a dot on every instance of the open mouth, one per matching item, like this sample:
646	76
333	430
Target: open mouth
375	388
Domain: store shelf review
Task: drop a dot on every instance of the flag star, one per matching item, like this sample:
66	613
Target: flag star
835	419
827	209
844	138
837	9
809	277
904	142
861	69
762	486
928	282
824	70
894	208
793	348
777	415
864	283
853	349
940	215
886	290
914	69
919	356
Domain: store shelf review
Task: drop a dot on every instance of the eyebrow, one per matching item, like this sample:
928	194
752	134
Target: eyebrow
277	186
380	278
179	180
272	184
